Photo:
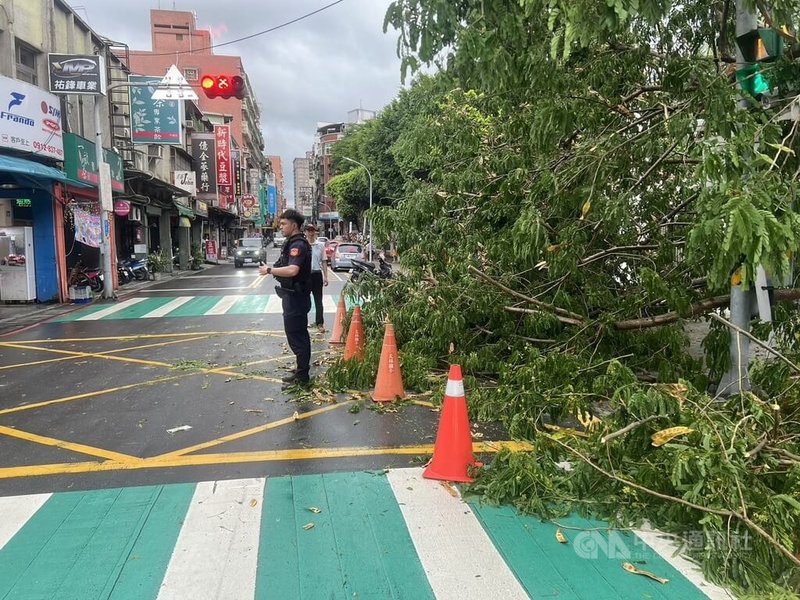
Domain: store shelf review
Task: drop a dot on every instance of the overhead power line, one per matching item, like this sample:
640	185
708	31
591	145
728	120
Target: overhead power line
248	37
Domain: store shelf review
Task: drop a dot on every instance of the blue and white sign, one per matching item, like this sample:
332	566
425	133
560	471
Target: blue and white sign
272	199
30	119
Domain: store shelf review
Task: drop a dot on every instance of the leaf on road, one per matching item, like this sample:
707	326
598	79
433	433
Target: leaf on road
181	428
659	438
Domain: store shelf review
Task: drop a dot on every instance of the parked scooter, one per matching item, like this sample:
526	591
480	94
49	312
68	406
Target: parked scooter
83	276
139	269
124	272
363	268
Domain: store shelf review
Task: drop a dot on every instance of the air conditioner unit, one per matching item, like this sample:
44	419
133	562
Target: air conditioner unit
188	124
135	214
140	161
155	151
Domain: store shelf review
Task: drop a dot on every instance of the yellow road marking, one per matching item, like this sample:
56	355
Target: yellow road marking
93	394
246	457
83	449
150	363
51	360
147	336
247	432
259	280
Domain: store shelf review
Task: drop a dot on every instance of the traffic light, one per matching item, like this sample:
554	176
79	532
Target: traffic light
759	46
223	86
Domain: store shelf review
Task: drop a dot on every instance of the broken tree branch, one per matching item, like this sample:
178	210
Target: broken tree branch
574	318
614	250
755	340
627	428
531	311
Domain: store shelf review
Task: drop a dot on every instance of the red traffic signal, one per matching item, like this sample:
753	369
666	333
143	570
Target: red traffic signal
223	86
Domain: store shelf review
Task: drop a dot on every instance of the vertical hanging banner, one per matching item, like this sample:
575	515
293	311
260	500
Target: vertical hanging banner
203	153
153	121
222	136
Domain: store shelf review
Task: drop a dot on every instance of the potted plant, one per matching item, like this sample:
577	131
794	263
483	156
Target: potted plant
158	263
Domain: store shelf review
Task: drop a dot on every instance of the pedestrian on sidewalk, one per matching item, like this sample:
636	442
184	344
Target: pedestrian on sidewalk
293	272
319	274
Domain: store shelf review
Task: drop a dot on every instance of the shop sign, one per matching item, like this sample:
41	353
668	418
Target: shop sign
186	180
203	152
200	208
80	162
77	74
122	208
153	121
226	198
237	175
272	199
250	207
30	119
211	251
23	203
222	136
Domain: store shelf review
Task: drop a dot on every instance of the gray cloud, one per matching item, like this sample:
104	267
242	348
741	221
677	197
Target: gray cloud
314	70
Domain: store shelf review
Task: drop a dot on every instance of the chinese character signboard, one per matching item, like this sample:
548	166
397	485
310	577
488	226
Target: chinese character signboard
153	121
30	119
272	199
77	74
222	135
226	198
203	152
80	162
237	171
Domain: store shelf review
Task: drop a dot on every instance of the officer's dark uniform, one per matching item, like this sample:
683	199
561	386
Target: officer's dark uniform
295	293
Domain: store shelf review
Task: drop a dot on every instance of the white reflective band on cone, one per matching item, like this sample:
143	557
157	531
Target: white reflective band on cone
454	389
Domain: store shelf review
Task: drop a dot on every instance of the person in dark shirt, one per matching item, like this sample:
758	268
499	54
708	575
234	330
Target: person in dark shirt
293	272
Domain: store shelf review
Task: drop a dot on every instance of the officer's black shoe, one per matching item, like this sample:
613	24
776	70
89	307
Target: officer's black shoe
290	378
296	383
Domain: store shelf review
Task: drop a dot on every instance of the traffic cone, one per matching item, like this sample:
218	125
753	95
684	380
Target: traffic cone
338	323
452	452
389	384
354	348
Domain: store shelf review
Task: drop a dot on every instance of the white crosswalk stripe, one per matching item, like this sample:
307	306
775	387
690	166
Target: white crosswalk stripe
16	511
111	310
224	305
162	311
273	305
217	549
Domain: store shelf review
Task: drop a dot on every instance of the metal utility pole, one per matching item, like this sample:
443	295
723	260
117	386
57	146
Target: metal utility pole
370	201
737	379
106	203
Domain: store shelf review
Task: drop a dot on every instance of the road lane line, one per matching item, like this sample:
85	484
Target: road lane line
36	405
162	311
335	274
328	305
274	304
217	549
224	305
16	511
146	336
457	554
248	432
201	289
142	347
151	363
81	448
259	280
111	309
194	460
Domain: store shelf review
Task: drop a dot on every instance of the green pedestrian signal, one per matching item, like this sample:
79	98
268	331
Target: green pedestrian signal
752	81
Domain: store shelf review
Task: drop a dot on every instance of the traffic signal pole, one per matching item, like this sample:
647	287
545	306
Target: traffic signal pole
743	302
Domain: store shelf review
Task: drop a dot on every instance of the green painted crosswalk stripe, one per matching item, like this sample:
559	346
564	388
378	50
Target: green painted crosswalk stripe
78	544
588	566
359	538
139	309
195	307
254	303
77	314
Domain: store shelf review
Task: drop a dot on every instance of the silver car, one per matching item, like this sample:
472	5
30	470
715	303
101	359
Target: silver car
343	255
249	251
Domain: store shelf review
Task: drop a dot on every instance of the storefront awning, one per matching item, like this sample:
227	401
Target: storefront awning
25	172
184	211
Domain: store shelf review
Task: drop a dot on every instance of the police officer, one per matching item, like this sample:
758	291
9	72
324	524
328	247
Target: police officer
293	272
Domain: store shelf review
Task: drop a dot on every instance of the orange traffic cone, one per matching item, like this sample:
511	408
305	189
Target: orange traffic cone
452	452
389	384
354	348
338	323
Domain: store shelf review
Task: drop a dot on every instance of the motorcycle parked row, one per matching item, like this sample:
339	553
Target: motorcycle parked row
129	270
362	268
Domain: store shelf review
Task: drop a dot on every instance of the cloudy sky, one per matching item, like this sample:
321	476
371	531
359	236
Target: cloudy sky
314	70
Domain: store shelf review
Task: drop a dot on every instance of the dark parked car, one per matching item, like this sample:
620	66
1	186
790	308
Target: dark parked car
249	251
343	255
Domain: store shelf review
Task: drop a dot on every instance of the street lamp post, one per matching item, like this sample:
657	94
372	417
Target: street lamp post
370	201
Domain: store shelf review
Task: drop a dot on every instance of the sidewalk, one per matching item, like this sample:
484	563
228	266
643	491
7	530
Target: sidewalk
368	534
18	316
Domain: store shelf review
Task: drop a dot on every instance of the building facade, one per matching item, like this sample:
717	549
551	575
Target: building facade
303	184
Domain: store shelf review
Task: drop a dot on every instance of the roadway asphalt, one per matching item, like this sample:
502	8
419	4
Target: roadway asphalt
180	382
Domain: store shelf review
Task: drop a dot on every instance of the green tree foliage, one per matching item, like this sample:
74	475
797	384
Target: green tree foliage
576	185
